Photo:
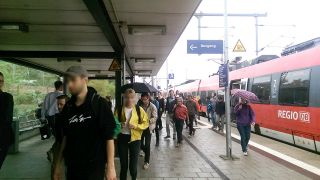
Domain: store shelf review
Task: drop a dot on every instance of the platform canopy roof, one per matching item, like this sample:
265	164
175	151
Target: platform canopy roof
53	34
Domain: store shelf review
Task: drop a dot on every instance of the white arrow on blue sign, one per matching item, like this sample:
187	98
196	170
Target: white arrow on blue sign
205	47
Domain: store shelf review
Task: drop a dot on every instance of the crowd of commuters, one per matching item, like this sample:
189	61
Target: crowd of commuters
85	127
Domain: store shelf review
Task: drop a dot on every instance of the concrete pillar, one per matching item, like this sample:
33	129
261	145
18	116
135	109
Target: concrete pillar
118	88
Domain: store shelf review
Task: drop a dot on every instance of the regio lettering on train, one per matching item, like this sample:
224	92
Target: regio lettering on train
294	115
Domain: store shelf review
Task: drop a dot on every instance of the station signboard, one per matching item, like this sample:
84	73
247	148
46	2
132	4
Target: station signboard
205	47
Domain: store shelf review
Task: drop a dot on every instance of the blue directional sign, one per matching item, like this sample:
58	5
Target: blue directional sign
223	76
205	47
171	76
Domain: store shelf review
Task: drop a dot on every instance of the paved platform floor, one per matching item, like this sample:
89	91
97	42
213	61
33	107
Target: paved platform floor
198	158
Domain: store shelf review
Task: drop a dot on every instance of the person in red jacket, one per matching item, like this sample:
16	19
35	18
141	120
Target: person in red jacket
180	115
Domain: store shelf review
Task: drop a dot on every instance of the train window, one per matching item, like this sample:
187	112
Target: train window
294	88
235	84
261	86
244	84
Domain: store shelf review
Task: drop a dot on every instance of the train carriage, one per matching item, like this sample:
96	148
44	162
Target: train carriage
289	91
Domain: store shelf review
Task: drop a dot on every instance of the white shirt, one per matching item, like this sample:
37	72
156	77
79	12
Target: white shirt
128	114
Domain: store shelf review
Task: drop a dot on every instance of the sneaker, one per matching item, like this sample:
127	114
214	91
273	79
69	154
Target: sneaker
167	137
193	133
178	144
245	153
141	153
146	166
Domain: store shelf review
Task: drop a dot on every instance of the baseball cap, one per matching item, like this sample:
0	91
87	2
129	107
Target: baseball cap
76	71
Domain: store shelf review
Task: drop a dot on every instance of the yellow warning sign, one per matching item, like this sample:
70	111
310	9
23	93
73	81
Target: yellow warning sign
115	66
239	47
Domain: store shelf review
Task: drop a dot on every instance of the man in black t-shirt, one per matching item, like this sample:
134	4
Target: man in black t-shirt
87	145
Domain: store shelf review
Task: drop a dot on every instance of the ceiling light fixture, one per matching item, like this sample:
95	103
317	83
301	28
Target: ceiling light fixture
91	75
94	71
14	26
68	59
145	60
146	30
143	75
144	72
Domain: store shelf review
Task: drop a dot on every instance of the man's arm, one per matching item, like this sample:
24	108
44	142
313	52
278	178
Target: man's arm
195	107
167	105
9	110
107	128
110	168
187	113
154	115
57	166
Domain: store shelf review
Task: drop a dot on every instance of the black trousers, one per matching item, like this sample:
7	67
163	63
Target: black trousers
145	144
125	147
51	130
157	134
91	173
3	154
179	127
191	119
159	120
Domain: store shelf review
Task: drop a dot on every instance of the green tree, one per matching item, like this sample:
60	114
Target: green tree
28	86
104	87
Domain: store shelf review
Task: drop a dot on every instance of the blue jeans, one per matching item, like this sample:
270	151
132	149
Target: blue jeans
244	131
213	118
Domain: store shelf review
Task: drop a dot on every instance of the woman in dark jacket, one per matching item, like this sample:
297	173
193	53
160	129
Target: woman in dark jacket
245	118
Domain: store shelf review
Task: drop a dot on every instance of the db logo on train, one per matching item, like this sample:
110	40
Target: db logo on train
302	116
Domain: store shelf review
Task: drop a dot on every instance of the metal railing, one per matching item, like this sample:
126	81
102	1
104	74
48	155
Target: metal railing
28	123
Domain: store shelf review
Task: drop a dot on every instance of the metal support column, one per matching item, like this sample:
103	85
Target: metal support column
132	79
257	35
228	155
167	78
199	27
123	63
118	89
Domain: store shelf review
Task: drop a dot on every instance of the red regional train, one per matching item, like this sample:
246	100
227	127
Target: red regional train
289	91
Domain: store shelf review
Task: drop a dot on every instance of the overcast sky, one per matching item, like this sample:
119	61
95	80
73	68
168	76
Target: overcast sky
288	22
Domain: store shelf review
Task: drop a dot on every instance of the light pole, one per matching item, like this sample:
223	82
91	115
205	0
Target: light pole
257	35
228	155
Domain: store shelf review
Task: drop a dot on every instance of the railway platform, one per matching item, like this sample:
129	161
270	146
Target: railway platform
198	158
